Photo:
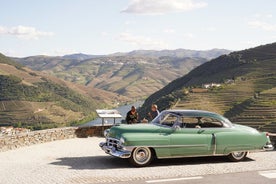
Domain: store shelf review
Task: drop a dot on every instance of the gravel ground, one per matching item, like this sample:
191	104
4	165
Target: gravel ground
77	161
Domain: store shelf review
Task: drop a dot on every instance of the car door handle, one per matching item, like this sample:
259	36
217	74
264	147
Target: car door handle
200	131
165	134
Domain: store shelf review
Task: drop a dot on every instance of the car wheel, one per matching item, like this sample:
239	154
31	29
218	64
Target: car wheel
141	156
237	156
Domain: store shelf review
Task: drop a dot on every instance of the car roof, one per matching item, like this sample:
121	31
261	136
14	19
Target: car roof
197	113
191	112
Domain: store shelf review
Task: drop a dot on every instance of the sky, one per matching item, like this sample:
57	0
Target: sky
60	27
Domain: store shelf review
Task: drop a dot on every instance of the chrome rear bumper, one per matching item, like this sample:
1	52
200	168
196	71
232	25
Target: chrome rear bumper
114	152
268	147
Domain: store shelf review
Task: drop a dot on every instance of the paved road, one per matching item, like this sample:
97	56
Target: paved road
77	161
253	177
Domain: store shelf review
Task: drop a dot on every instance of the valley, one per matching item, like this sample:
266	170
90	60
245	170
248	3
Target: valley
41	92
135	75
245	92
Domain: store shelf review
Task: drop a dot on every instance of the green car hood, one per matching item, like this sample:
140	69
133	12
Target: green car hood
118	130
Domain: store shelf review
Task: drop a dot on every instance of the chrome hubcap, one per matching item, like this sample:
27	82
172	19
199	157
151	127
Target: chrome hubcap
142	155
238	155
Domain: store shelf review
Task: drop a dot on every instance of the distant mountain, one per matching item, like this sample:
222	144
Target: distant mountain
247	92
135	75
33	99
179	53
80	56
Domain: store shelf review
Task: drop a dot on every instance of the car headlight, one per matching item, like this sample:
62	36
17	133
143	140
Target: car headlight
122	141
106	132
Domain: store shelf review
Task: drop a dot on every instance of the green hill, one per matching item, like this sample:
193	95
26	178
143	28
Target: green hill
247	99
32	99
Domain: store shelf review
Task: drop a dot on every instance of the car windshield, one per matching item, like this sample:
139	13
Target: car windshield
166	119
191	119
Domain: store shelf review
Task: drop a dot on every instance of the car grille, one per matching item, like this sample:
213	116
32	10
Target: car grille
110	142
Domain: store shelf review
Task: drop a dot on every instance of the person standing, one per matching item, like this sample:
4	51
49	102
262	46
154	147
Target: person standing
154	112
132	116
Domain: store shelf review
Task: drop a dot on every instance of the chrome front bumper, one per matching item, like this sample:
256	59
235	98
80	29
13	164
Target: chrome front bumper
111	150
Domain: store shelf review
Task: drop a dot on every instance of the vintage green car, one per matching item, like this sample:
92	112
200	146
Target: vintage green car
183	133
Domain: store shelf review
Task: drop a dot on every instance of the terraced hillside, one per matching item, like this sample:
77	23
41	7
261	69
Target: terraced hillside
37	115
258	112
35	100
218	100
249	100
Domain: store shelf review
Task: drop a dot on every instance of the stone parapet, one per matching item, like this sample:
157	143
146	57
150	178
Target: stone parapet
84	132
9	142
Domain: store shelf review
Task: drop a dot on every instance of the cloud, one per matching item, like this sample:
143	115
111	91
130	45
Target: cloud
269	16
143	42
259	15
155	7
104	34
262	25
24	32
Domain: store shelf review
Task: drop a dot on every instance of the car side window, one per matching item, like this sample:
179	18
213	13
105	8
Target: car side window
208	122
201	122
189	122
169	120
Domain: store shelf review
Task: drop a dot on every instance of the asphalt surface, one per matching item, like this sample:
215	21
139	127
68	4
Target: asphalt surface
253	177
77	161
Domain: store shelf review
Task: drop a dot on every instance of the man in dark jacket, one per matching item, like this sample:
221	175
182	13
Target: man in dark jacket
132	116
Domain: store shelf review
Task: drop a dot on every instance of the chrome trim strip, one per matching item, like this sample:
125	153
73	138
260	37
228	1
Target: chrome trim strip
214	142
179	146
191	156
168	146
